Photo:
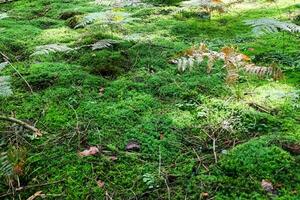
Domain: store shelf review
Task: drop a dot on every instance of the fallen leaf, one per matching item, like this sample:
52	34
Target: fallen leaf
292	148
133	146
89	152
37	194
161	136
100	183
204	194
101	91
267	186
113	158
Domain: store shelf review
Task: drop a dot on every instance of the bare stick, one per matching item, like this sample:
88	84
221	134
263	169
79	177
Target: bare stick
7	59
36	131
214	149
168	188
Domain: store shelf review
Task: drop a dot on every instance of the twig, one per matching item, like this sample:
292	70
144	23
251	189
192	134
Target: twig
169	193
36	131
159	161
214	150
7	60
28	187
259	107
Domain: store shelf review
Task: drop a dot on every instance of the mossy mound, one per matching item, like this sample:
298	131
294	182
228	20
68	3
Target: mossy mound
257	159
106	63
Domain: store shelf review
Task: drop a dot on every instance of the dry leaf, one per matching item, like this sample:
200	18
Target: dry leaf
89	152
113	158
204	194
101	91
100	183
161	136
267	186
37	194
292	148
133	146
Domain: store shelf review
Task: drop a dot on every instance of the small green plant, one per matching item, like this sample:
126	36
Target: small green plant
150	181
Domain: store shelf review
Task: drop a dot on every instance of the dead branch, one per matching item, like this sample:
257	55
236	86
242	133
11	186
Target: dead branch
259	107
36	131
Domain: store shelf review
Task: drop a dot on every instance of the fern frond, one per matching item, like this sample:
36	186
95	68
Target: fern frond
275	72
5	88
108	17
3	64
3	15
264	25
6	168
233	63
50	48
105	43
119	3
209	5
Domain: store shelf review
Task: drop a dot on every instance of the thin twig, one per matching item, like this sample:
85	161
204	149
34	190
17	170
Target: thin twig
6	58
36	131
214	150
159	161
169	193
28	187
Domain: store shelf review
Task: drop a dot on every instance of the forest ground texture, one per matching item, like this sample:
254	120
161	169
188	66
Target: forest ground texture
195	136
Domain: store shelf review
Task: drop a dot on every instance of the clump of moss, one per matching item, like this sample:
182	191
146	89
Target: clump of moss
41	81
257	159
68	14
106	63
73	21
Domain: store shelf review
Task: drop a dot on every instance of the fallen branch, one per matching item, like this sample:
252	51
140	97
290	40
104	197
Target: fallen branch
259	107
36	131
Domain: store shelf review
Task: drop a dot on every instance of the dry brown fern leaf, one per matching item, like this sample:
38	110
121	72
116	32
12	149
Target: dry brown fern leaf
234	62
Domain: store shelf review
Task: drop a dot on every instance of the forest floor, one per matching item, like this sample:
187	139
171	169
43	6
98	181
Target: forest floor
160	133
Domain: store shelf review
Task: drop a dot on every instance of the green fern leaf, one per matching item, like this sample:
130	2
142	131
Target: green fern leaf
107	17
50	48
5	88
102	44
264	25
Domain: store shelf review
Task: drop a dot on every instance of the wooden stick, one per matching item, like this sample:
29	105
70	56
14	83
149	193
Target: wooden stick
36	131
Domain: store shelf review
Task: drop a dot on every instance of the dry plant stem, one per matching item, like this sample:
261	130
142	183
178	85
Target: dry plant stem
7	59
214	149
24	124
28	187
168	188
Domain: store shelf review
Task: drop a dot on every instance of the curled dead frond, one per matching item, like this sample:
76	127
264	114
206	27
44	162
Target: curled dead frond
264	26
105	43
51	48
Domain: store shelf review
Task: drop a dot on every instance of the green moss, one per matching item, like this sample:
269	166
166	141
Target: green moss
131	91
